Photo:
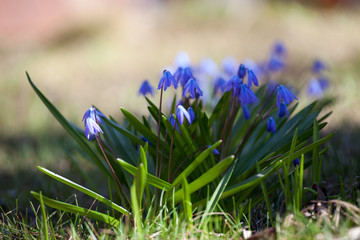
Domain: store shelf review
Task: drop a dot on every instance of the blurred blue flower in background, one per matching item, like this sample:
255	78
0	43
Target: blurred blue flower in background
219	85
229	66
314	88
318	66
146	88
182	59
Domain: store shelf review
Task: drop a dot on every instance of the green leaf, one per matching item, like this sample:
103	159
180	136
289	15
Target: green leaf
316	157
255	179
187	200
77	210
151	179
194	164
210	206
140	181
82	189
140	127
207	177
70	129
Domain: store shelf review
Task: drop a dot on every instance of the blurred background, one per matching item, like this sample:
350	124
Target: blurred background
83	53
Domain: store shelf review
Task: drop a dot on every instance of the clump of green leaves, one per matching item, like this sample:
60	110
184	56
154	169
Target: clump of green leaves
220	160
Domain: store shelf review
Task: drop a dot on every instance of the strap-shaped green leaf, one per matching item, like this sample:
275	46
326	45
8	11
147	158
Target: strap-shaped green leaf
211	204
77	210
195	163
151	179
187	200
82	189
207	177
69	128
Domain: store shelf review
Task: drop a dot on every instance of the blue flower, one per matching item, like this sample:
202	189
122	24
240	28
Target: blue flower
241	71
314	88
279	49
219	85
275	64
252	78
229	66
246	96
146	88
324	83
246	112
283	110
181	113
209	67
91	119
166	80
182	59
182	75
192	114
271	126
283	94
296	162
193	88
318	66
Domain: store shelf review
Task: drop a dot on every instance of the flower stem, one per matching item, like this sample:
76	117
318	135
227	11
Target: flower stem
171	145
116	179
158	139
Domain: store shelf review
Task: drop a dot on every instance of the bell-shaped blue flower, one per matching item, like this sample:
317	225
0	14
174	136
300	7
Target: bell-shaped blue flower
252	78
146	88
283	110
271	125
283	94
192	88
181	113
166	80
246	112
246	96
183	75
91	119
